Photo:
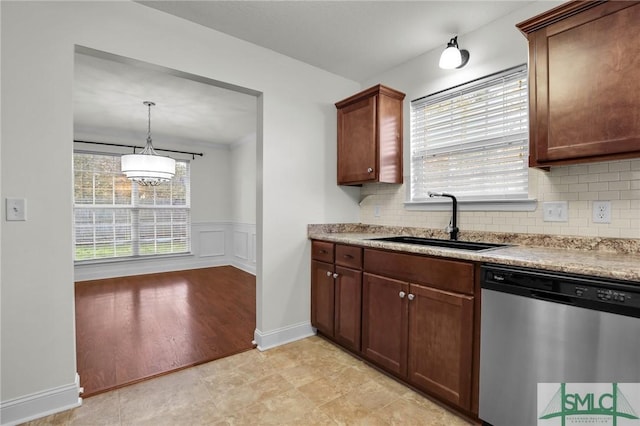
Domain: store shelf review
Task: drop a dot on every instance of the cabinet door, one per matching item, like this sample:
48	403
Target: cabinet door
348	307
440	344
384	322
585	86
357	142
322	297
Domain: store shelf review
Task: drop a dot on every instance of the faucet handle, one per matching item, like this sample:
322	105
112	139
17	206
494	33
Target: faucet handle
449	227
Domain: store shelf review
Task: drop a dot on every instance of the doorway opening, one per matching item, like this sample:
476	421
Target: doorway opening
128	304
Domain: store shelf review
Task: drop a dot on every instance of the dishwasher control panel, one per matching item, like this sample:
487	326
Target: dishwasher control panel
614	295
607	294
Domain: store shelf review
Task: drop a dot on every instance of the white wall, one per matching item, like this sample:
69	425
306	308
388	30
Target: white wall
295	174
493	48
243	180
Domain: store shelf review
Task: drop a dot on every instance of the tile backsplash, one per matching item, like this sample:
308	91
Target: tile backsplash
579	185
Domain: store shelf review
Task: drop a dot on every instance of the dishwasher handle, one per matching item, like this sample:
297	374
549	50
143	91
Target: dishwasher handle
552	297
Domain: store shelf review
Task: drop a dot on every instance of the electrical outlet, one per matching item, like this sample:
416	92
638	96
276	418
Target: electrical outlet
602	212
376	211
555	211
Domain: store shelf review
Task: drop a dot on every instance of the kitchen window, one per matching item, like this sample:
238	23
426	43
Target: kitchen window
116	218
473	141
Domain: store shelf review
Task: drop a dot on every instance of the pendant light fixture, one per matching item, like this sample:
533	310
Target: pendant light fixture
148	168
452	57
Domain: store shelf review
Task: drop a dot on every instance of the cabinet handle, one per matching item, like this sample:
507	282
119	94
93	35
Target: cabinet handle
328	273
411	296
348	256
323	251
370	170
335	275
402	294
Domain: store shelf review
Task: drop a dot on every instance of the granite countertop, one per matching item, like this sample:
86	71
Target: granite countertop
610	258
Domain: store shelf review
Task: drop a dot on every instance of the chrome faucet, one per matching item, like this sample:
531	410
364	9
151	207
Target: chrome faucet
452	229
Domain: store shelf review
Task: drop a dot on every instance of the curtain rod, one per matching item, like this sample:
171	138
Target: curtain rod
192	154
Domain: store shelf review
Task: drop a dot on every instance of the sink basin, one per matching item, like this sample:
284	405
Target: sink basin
461	245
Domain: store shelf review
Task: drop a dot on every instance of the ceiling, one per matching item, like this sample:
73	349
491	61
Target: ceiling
354	39
108	105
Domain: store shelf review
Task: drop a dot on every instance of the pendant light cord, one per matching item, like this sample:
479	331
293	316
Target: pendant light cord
148	149
149	121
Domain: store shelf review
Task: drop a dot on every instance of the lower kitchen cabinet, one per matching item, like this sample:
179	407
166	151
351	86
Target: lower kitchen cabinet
322	297
384	322
336	293
348	299
421	334
413	316
440	350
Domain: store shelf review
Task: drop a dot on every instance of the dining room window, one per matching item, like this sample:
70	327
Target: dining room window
117	218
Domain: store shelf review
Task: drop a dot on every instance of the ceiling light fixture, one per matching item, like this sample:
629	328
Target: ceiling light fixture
148	168
452	57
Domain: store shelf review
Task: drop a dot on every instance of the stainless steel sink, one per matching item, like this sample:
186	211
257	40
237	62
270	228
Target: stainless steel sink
455	244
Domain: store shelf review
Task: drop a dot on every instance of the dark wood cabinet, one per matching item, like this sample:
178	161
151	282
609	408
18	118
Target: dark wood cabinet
423	332
413	316
584	82
440	344
322	297
384	322
370	137
336	292
348	302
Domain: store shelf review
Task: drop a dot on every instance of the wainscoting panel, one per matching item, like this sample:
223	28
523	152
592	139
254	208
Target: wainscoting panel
212	244
241	244
244	247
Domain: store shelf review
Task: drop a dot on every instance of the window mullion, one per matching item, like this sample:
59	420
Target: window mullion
135	221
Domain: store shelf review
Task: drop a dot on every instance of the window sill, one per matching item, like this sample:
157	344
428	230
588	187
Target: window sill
502	205
129	259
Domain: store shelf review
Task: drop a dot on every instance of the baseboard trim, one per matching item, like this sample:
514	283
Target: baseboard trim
243	266
41	404
281	336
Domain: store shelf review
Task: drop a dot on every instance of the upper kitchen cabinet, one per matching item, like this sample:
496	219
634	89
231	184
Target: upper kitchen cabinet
370	137
584	82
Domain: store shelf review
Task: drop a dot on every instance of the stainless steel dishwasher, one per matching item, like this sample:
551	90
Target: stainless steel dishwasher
548	327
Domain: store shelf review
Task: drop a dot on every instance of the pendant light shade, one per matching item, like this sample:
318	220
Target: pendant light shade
452	57
147	167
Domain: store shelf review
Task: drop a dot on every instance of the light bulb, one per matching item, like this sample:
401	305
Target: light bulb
450	58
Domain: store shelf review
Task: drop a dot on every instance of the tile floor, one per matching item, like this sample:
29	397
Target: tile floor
308	382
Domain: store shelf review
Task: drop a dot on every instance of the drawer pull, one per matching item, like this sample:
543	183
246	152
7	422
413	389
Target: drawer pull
348	256
402	294
323	251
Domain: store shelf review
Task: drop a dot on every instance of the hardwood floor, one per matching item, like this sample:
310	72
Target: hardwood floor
133	328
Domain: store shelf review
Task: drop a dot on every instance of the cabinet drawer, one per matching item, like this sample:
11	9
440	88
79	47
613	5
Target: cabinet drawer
443	274
349	256
322	251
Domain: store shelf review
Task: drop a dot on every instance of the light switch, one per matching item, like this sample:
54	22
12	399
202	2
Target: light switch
16	209
555	211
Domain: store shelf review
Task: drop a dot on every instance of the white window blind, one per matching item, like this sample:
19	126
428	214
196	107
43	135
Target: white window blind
472	140
115	218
